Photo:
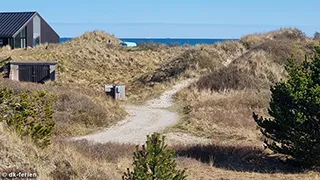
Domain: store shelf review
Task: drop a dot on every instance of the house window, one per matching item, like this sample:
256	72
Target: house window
23	42
23	33
36	31
20	39
1	42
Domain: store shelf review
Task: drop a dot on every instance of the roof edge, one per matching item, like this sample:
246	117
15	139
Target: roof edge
34	14
18	12
32	62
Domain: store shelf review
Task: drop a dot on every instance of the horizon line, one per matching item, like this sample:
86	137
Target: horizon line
166	38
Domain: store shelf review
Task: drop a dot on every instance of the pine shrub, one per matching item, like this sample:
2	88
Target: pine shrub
294	129
154	161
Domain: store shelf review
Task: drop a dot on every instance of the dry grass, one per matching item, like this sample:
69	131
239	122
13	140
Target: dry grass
62	161
226	117
150	46
220	106
197	170
83	160
252	40
253	70
263	63
238	158
90	61
109	152
192	62
202	57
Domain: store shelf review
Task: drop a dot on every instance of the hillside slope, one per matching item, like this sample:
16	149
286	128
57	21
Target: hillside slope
90	61
221	103
95	58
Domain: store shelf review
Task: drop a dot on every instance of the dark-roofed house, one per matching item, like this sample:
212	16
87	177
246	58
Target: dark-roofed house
22	29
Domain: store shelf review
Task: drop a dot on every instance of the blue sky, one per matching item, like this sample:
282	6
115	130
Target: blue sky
173	18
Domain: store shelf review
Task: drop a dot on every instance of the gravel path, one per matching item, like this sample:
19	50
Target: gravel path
166	100
142	120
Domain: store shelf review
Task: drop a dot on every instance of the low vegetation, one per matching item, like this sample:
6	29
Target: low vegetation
220	104
224	117
62	160
91	61
77	112
30	115
231	93
263	64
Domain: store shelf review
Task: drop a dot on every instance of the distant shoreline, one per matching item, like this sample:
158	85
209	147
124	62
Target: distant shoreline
169	41
163	38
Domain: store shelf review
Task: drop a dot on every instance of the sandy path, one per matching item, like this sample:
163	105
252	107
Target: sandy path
142	120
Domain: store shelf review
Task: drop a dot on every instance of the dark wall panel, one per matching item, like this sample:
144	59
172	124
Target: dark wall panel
47	33
26	73
4	42
34	73
30	33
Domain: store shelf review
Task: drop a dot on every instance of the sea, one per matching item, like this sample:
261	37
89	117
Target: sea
167	41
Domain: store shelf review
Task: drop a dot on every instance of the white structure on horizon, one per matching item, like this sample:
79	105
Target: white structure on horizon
128	44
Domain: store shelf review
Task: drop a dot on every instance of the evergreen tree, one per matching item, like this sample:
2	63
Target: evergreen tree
154	162
294	129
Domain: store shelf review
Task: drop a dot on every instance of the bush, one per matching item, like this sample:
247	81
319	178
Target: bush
278	50
229	78
29	114
294	106
81	109
154	161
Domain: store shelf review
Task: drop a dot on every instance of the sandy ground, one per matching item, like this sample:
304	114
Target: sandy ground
146	119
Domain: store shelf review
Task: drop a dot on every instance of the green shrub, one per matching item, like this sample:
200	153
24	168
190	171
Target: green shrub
154	161
29	114
294	106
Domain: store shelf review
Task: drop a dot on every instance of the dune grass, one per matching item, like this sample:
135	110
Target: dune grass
225	117
219	106
63	160
221	103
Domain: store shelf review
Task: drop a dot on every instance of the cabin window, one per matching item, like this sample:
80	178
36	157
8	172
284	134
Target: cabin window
20	39
36	31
